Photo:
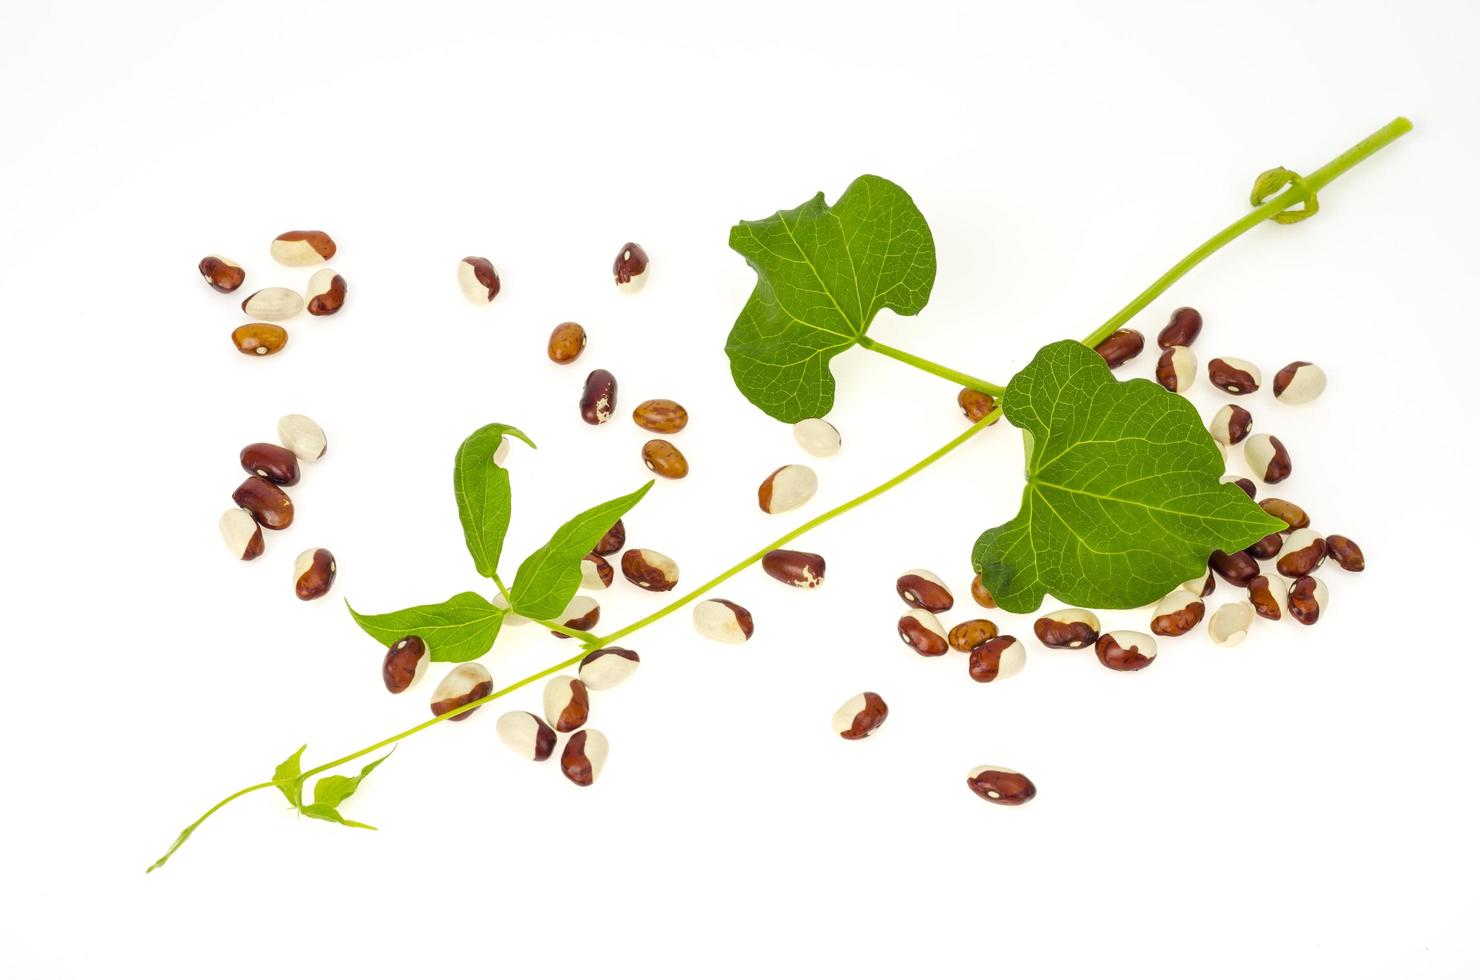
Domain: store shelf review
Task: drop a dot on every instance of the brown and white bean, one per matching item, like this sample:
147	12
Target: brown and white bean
566	342
923	633
1231	425
663	415
1267	457
596	572
604	669
300	248
567	705
800	569
326	292
1067	629
273	303
787	488
478	280
599	397
664	459
1307	600
1346	552
1233	375
1230	623
650	570
1243	483
723	621
271	507
921	589
464	683
1178	612
612	541
240	531
405	661
1125	650
817	437
860	716
1237	569
584	756
1303	552
1293	515
972	633
313	573
1269	599
1201	587
222	275
1121	346
996	659
527	735
302	437
273	463
259	339
1299	382
630	267
980	595
975	405
581	613
1176	369
1181	330
1000	785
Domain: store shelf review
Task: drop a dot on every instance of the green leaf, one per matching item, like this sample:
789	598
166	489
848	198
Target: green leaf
323	811
822	275
549	577
482	490
285	776
462	628
1123	500
334	790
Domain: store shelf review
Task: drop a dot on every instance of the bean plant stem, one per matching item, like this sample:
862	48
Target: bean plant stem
939	370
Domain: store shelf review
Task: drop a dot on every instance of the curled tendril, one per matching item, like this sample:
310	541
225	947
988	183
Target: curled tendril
1271	182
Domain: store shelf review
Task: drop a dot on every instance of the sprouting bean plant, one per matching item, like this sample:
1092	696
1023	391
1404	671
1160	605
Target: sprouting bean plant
1123	497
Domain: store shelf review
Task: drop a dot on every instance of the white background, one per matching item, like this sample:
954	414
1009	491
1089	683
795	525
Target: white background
1301	806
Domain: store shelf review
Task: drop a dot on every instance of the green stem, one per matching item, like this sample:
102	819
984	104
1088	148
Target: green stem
1296	194
185	834
939	370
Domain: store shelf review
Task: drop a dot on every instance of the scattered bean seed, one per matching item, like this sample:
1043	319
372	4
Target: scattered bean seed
1346	552
1125	649
612	541
271	507
1233	375
581	613
296	248
1292	514
817	437
313	573
661	415
1268	599
604	669
1067	629
567	341
1177	613
801	569
326	292
478	280
259	339
975	405
630	267
1229	625
996	659
1267	457
1299	382
1000	785
1181	330
1176	369
981	595
923	633
1245	484
1303	553
598	397
1307	600
464	683
273	303
405	661
1121	346
1237	569
270	462
302	437
596	572
584	756
241	533
972	633
1231	425
724	621
1266	547
860	716
924	590
567	705
527	734
664	459
650	570
222	275
1201	587
787	488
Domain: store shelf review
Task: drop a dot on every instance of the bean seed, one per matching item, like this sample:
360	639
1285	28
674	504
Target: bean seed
1176	369
1181	330
817	437
302	437
581	613
980	594
273	303
1233	375
860	716
1245	484
975	405
1299	382
259	339
1125	650
1268	599
650	570
1067	629
598	397
1346	552
222	275
630	267
604	669
295	248
801	569
527	734
1266	547
724	621
584	756
464	683
596	572
405	661
787	488
1000	785
272	508
1201	587
664	459
313	573
998	658
478	280
241	533
567	705
1237	569
924	590
612	541
567	341
1303	553
1267	457
1292	514
1229	625
922	632
661	415
1307	600
971	634
1121	346
1177	613
326	292
271	463
1231	425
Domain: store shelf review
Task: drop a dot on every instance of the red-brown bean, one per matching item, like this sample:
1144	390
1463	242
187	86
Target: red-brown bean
272	508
